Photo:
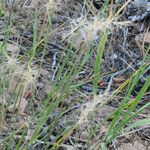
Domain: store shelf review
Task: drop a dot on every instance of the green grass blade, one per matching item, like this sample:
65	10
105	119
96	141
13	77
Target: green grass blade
98	60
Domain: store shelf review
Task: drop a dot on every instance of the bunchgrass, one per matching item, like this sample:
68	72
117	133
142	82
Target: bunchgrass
64	84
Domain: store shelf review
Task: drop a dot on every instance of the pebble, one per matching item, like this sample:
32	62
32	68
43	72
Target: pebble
11	108
84	135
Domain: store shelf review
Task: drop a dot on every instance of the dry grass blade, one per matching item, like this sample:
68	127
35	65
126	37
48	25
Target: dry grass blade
72	75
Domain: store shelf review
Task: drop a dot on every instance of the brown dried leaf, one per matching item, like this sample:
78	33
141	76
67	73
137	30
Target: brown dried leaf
145	37
16	77
23	105
119	79
105	111
28	93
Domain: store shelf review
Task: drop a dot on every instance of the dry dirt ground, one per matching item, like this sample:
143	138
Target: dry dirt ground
123	54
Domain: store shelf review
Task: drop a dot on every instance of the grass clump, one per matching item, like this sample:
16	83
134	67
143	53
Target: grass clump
44	69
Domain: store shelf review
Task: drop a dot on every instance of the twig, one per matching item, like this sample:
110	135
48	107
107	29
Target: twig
54	74
55	46
125	134
112	76
54	60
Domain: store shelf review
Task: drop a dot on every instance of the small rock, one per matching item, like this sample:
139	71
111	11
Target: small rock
114	56
128	146
13	119
105	111
40	96
44	72
52	137
29	134
40	85
47	89
12	49
4	129
21	123
139	145
103	129
11	108
3	101
84	135
66	147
